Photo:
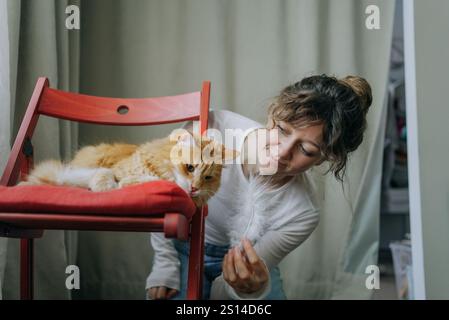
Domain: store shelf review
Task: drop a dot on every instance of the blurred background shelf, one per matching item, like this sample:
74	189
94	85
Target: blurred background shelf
394	224
395	201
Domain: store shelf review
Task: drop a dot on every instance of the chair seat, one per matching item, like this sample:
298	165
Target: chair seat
151	198
159	206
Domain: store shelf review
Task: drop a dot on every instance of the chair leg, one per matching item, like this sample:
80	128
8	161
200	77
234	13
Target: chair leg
26	269
196	256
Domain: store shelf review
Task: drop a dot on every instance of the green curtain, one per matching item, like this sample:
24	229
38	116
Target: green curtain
5	98
333	262
40	45
249	49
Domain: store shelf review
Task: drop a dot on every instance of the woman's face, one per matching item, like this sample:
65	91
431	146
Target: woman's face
295	149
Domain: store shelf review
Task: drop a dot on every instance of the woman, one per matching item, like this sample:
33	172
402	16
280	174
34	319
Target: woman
317	119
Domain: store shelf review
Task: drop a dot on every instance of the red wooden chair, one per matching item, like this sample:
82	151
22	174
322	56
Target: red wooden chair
158	206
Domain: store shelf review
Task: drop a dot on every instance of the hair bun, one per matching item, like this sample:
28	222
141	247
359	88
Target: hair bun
362	88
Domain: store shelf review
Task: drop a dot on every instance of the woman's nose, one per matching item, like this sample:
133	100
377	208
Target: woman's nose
284	151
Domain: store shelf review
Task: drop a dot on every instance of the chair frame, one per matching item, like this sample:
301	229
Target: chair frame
29	226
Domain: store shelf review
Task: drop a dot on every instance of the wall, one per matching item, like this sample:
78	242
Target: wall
432	70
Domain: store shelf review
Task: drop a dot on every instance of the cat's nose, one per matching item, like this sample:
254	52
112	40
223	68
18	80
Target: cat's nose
193	189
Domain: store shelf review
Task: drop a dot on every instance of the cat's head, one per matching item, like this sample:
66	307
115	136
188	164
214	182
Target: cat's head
198	163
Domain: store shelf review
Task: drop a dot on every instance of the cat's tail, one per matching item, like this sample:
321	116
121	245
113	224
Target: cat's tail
47	172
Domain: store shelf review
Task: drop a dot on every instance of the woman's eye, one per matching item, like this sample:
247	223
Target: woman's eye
207	177
306	153
190	168
280	129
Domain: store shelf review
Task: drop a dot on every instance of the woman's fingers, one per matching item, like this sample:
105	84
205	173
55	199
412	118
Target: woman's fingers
245	272
251	254
228	267
256	263
152	292
161	293
240	266
171	293
231	263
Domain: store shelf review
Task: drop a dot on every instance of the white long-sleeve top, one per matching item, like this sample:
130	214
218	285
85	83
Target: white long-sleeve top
288	213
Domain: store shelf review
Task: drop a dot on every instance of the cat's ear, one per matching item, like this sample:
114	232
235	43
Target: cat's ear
185	149
186	139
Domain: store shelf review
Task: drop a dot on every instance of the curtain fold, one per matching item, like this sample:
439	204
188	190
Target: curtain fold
250	50
5	98
42	46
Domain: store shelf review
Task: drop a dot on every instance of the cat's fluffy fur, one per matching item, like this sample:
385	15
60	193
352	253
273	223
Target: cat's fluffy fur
108	166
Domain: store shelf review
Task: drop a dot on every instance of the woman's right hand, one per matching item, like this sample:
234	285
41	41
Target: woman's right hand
161	293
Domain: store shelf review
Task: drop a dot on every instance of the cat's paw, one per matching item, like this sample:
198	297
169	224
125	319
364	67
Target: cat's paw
25	183
130	180
103	180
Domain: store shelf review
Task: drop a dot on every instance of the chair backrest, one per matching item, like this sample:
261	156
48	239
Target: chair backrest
100	110
117	111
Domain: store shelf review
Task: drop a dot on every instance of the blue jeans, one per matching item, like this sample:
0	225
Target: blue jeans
213	258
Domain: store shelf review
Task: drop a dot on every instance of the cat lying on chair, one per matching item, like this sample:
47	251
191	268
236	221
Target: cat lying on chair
109	166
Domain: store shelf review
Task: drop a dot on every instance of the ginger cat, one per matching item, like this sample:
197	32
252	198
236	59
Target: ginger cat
109	166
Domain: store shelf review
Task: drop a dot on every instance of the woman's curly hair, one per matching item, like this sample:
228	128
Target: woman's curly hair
340	105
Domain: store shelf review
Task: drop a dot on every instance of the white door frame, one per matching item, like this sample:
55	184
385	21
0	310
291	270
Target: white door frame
419	288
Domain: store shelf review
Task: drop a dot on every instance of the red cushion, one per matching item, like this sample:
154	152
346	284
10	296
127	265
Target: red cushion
142	199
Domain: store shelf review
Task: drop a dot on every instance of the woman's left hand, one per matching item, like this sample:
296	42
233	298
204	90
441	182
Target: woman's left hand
244	271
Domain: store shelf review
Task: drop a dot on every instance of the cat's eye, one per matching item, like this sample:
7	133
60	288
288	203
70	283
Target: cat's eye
207	177
190	168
